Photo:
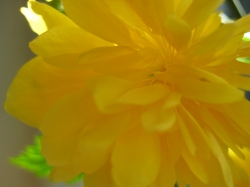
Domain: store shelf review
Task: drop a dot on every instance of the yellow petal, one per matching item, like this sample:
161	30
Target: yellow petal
69	110
89	59
158	118
239	112
106	90
235	132
37	86
144	95
215	124
95	17
241	81
177	31
130	74
243	25
59	151
124	10
65	40
217	151
63	153
101	177
43	17
98	55
64	61
200	90
90	161
197	12
146	58
69	161
166	175
181	7
228	51
186	136
60	141
213	41
176	144
136	158
145	9
65	173
62	126
162	10
173	100
195	73
208	27
101	132
197	133
195	166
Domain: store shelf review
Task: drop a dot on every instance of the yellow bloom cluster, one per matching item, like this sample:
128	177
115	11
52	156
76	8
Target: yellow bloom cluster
136	93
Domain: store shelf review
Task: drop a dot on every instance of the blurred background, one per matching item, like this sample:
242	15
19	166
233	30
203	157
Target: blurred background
15	35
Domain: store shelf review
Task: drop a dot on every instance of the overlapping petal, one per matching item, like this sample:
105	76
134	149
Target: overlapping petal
33	90
137	93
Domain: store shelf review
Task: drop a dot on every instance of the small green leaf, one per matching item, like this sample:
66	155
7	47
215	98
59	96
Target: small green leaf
32	160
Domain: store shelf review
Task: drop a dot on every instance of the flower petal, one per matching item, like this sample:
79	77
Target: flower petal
196	131
166	175
243	25
144	95
124	10
33	90
69	110
226	170
197	12
43	17
95	17
181	6
200	90
100	54
61	141
187	136
195	166
145	58
177	31
155	117
65	173
106	90
65	40
101	132
213	41
215	124
64	152
59	151
136	158
102	177
145	9
176	144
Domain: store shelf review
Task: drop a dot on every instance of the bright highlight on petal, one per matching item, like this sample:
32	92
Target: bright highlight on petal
42	17
141	93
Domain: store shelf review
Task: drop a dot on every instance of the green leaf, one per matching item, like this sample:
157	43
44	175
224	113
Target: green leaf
32	160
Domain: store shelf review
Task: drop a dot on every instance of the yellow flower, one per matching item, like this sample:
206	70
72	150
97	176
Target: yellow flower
136	93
